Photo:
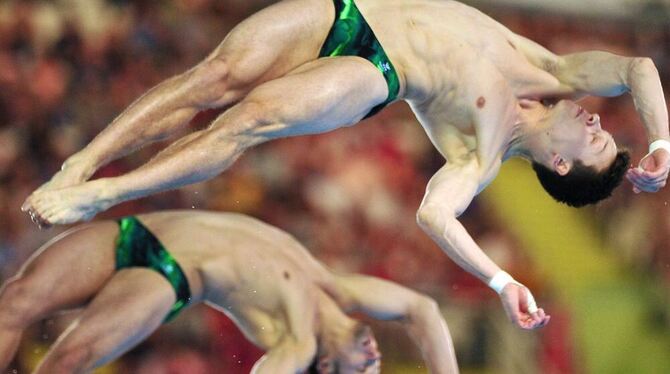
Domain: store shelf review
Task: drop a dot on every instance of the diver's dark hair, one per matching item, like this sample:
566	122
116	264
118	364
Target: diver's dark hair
312	369
583	185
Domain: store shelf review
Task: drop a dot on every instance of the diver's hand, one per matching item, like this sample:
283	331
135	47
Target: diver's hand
521	309
652	172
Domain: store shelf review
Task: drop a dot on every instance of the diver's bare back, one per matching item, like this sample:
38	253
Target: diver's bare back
454	61
248	269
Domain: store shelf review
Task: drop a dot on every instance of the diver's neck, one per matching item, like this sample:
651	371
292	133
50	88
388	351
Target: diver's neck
525	137
333	323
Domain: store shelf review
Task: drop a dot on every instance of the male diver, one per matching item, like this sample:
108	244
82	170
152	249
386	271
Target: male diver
134	274
482	93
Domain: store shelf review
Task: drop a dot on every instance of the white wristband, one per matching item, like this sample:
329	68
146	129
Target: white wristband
659	144
500	280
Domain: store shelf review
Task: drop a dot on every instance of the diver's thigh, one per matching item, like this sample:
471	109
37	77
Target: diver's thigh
68	270
275	40
317	97
129	308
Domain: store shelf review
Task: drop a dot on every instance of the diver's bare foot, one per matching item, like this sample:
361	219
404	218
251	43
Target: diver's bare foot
67	205
63	178
75	170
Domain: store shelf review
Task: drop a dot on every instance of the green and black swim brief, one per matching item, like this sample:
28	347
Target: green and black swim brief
352	36
136	246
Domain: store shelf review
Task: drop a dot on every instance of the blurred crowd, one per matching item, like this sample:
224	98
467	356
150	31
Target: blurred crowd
68	67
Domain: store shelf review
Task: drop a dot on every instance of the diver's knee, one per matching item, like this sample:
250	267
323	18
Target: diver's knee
245	120
19	301
208	83
214	70
67	360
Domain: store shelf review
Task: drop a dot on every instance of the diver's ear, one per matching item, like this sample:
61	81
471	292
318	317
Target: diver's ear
325	365
528	104
561	165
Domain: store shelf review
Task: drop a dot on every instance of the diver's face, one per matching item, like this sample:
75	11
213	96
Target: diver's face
576	134
358	356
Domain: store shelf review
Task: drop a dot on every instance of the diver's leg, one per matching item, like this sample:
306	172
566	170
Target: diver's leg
320	96
265	46
65	273
131	306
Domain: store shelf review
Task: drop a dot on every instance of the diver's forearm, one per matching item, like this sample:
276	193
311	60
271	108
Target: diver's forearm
430	333
645	87
455	241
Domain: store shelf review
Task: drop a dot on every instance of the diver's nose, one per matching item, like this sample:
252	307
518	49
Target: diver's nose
371	351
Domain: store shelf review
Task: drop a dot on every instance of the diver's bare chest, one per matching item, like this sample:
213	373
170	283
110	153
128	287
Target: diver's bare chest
457	63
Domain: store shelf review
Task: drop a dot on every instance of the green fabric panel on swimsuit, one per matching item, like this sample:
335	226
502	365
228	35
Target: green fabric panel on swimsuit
352	36
136	246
